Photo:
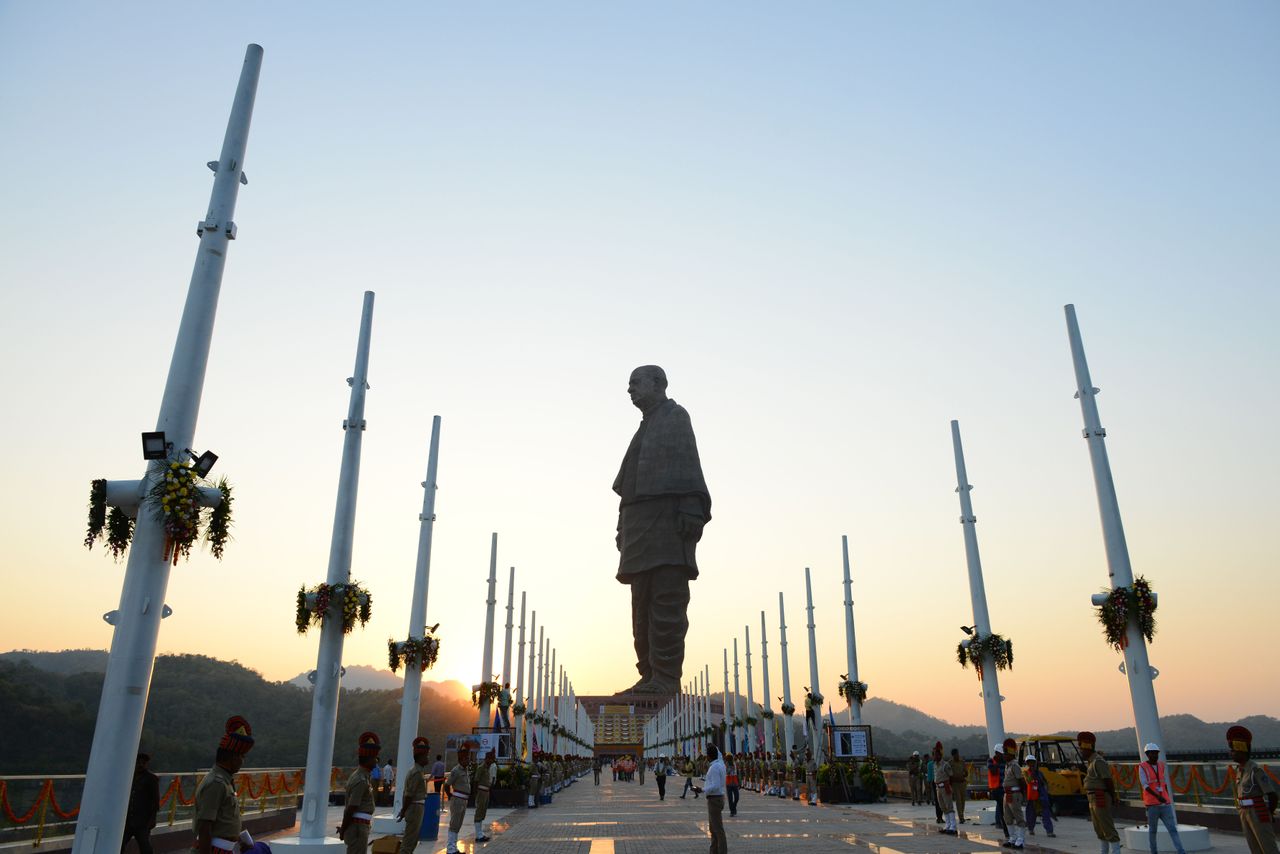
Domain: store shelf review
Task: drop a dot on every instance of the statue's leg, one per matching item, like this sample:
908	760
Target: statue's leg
640	586
668	615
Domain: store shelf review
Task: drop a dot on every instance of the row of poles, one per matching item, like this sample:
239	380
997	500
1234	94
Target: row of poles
136	623
687	716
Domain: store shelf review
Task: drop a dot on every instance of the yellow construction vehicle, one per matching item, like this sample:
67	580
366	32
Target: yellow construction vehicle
1059	759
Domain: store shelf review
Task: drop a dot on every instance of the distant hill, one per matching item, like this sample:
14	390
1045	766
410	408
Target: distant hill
191	697
66	661
365	678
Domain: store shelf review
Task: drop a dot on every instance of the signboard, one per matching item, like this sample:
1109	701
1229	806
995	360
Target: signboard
481	743
850	742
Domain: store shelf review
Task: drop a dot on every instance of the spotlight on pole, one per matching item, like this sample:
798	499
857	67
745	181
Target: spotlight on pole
154	446
204	462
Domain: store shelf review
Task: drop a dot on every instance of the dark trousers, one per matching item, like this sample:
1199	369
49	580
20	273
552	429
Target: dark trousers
141	835
715	822
997	797
661	780
688	784
733	799
659	621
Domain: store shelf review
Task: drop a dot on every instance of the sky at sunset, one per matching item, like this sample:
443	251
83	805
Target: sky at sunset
837	226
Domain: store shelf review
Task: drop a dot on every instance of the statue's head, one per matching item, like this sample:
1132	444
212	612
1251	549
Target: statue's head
647	387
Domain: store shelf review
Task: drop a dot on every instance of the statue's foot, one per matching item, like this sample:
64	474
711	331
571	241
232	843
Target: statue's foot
656	685
638	688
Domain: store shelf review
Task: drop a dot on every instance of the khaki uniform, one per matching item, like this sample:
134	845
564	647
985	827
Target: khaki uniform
459	783
1252	787
359	792
811	772
1015	796
959	784
483	780
216	802
942	784
914	776
1097	774
415	795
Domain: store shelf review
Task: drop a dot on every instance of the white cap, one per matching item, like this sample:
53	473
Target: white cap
1030	757
915	753
1150	747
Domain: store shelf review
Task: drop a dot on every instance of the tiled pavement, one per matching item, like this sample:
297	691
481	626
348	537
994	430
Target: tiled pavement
628	818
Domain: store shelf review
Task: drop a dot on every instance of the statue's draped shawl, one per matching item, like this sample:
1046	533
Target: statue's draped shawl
667	459
660	480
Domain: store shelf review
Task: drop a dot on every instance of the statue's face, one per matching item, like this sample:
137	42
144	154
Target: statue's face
643	389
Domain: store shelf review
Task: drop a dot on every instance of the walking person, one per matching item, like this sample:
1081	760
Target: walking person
959	783
413	802
913	776
357	816
595	769
995	788
689	770
1100	789
1038	799
1256	794
731	783
714	786
660	772
144	803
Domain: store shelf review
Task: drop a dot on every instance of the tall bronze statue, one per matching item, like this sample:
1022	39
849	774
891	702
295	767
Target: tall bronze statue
664	506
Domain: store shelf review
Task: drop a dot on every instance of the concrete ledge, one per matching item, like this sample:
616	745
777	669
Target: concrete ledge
179	837
1194	838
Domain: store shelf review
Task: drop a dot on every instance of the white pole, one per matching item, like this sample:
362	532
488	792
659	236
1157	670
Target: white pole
706	695
991	698
539	690
127	683
1136	664
855	709
815	737
788	731
727	717
767	705
516	750
411	703
324	697
506	646
751	728
486	668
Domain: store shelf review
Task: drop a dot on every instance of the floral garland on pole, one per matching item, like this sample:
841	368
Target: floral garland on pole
175	499
853	692
423	651
485	692
1000	650
313	605
519	709
788	708
1122	602
767	714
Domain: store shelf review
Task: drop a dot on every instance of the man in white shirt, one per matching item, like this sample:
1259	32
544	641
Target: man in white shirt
714	788
389	777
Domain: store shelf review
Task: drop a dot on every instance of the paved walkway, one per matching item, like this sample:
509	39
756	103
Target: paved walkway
628	818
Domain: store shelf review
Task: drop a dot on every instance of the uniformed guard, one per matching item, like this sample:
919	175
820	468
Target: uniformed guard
483	780
217	812
1256	794
1015	801
811	772
413	800
913	777
358	814
942	787
458	788
959	783
1100	789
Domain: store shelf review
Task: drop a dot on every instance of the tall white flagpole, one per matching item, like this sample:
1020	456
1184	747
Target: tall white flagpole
855	708
816	736
788	730
486	668
767	704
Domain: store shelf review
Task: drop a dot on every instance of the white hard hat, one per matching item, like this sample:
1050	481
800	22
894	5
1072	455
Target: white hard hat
1031	757
915	753
1150	747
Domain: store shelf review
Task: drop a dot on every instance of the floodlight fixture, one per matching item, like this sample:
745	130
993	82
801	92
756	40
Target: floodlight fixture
968	630
154	446
203	463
